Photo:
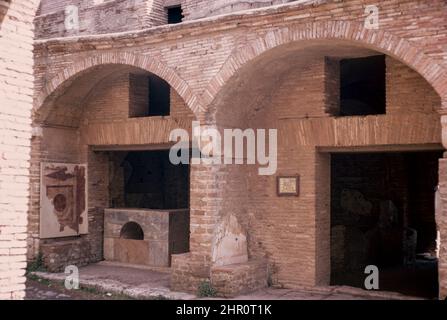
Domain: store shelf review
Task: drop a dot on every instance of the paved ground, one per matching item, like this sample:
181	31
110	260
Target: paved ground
137	283
49	290
107	280
36	290
339	293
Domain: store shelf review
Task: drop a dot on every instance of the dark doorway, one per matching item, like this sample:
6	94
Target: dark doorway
383	214
147	179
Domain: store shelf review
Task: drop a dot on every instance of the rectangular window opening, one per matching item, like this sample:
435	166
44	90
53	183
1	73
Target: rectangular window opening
363	86
149	96
159	97
175	14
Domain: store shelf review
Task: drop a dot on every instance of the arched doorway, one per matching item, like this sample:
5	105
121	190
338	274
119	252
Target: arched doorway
297	88
114	120
383	214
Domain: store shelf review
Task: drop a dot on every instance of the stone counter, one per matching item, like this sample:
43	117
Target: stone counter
165	232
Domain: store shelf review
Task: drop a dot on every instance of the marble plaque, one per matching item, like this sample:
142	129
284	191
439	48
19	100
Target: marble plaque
288	186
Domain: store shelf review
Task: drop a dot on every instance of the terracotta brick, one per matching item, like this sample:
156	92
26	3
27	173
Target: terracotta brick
16	91
247	64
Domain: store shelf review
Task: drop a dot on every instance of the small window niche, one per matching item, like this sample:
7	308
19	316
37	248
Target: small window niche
362	86
159	97
149	96
175	14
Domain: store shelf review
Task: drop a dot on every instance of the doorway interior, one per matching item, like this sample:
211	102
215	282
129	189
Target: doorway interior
148	179
383	214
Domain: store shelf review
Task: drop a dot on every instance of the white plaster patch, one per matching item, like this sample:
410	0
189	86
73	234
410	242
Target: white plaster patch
230	243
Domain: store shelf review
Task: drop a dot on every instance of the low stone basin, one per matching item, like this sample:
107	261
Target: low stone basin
145	236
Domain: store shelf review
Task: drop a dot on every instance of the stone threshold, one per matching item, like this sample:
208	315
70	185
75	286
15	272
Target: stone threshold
119	288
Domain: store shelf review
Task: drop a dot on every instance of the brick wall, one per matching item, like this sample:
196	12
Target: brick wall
46	149
113	98
64	138
217	46
441	220
16	91
406	92
66	149
241	70
121	15
196	9
303	222
105	17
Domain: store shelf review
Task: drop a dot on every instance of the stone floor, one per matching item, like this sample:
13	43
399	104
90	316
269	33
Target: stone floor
36	290
40	289
125	280
115	281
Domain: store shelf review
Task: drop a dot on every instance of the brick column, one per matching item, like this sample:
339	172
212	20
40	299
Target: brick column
189	269
441	221
218	226
16	100
441	214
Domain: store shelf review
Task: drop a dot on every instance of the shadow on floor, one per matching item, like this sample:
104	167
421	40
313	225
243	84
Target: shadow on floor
420	280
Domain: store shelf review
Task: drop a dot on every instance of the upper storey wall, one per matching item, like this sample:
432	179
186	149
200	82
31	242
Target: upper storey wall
109	16
196	9
97	16
201	51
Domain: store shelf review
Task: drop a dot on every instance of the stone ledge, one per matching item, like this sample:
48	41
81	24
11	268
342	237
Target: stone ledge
236	279
188	271
60	254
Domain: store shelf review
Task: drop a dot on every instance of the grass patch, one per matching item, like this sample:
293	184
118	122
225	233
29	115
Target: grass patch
206	289
43	281
36	265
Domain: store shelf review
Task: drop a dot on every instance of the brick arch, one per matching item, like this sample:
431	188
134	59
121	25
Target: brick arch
147	63
350	33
